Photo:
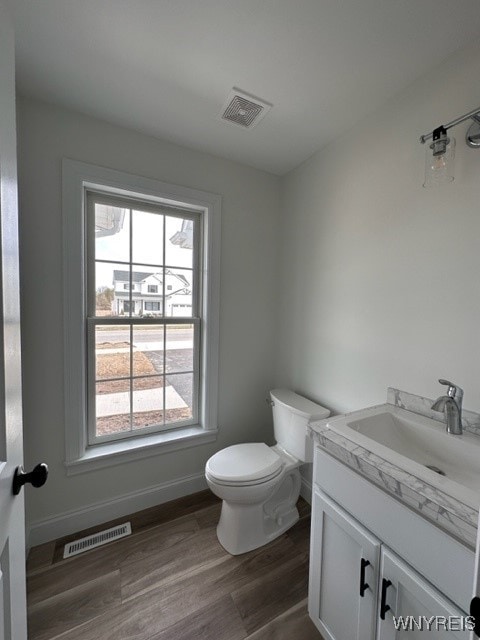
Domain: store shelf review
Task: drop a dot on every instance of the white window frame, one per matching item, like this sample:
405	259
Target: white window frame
130	321
77	178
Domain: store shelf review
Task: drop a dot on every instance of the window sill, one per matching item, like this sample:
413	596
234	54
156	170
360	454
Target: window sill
121	451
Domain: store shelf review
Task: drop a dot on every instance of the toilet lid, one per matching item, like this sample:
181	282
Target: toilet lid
243	462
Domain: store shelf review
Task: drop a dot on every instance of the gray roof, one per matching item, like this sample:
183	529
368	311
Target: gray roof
137	276
140	276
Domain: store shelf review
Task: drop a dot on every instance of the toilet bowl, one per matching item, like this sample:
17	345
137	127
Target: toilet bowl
260	485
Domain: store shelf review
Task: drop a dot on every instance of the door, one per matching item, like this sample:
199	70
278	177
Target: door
12	537
408	604
344	569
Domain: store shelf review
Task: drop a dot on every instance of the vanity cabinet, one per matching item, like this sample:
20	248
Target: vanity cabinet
358	583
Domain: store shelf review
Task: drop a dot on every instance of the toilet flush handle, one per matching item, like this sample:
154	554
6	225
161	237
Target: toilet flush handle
269	401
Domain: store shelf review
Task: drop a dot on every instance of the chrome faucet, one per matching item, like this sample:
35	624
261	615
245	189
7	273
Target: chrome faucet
451	405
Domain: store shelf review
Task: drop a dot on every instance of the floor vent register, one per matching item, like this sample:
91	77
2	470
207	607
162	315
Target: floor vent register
97	540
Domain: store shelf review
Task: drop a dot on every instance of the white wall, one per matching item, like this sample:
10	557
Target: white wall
250	243
381	277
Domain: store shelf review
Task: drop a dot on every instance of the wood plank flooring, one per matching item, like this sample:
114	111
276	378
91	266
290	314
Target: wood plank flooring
172	580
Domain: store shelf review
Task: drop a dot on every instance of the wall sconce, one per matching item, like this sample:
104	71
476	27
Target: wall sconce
440	153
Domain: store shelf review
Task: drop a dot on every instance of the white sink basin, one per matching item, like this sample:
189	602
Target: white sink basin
415	443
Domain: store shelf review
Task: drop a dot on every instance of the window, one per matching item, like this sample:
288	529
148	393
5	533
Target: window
149	379
143	373
152	306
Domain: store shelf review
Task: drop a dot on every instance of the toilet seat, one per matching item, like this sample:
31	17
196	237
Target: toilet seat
244	464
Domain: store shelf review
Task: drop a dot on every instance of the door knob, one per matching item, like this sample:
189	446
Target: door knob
37	477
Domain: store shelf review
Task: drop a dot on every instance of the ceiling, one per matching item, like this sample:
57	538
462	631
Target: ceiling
166	67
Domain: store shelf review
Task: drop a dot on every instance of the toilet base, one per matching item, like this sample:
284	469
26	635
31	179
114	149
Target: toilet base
244	527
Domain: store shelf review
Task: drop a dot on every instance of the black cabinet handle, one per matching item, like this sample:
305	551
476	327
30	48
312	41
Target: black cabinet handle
383	606
475	612
363	585
37	477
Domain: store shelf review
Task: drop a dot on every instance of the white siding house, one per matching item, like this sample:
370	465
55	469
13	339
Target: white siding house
144	295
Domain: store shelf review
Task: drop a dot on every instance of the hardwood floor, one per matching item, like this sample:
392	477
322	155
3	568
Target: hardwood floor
172	580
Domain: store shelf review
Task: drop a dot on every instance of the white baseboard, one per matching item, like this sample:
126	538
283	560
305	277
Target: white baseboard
75	520
306	490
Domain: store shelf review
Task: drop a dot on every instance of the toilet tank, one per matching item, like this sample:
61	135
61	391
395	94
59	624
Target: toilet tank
291	415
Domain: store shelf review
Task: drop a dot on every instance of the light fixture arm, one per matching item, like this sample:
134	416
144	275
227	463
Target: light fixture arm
474	115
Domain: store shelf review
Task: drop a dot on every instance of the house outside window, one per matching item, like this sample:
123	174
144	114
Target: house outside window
149	313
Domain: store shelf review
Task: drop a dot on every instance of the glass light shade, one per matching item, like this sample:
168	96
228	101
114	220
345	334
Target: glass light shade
439	162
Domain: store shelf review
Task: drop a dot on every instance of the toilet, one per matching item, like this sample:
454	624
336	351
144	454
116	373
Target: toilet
260	485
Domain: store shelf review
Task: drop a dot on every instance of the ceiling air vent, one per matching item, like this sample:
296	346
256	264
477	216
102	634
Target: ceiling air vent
243	109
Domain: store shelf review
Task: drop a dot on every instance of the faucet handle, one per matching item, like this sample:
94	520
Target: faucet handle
453	389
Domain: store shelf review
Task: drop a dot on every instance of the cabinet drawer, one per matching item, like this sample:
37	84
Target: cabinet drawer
442	560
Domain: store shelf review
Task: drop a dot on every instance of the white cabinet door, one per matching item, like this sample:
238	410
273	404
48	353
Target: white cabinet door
404	594
344	569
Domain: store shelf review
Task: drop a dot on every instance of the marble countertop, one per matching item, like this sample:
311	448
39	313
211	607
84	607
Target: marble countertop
450	514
